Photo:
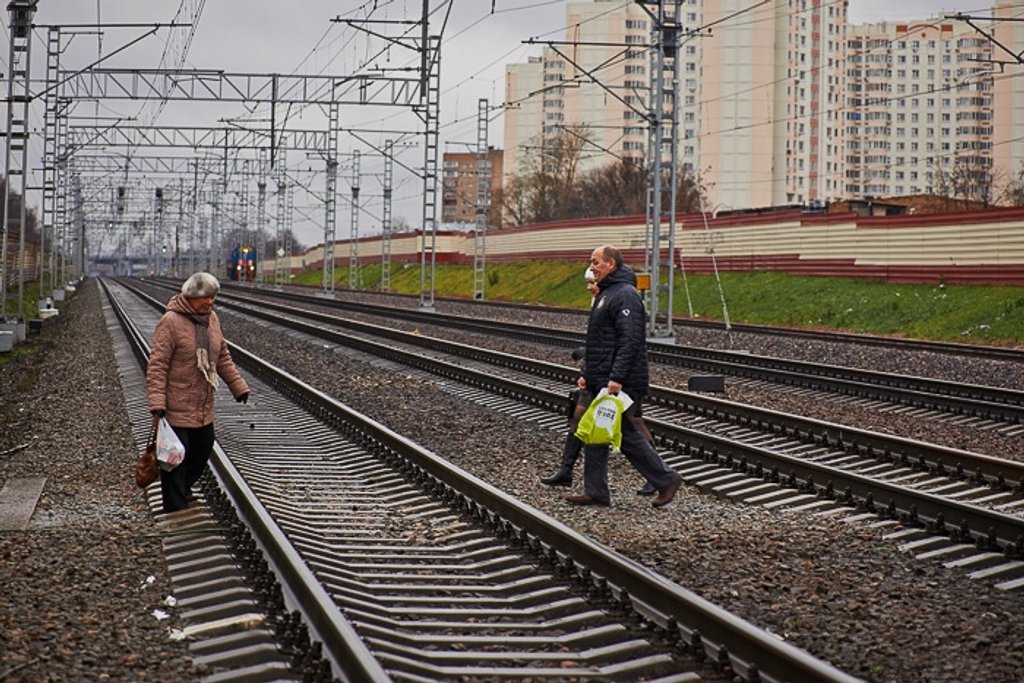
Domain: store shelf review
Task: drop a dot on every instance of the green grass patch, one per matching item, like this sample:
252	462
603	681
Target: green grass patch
30	292
959	313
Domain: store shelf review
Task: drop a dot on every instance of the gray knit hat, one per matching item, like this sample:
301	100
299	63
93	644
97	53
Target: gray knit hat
200	285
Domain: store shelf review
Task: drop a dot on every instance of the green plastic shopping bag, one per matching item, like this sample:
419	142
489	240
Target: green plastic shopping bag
601	425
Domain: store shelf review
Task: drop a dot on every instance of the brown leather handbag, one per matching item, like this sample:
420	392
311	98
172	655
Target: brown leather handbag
146	470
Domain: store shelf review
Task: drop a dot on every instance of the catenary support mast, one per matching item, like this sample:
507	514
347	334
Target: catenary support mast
483	188
16	143
663	144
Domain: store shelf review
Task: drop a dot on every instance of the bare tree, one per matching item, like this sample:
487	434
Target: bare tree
270	248
967	179
543	190
31	220
550	186
618	189
1013	190
621	188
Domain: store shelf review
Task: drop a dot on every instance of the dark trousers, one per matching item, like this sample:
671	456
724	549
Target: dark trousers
175	486
638	451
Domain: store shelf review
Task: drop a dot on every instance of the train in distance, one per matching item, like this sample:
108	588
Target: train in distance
242	264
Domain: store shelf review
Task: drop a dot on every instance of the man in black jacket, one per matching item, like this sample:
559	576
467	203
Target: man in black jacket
616	358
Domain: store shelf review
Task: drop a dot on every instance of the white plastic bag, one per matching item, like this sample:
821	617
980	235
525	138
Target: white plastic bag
169	449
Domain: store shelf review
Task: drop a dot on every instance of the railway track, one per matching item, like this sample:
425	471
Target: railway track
438	574
962	507
983	406
1015	355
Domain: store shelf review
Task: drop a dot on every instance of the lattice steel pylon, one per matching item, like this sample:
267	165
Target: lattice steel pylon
483	203
354	281
289	214
16	143
429	112
51	121
280	177
261	213
385	221
76	216
68	239
662	162
330	200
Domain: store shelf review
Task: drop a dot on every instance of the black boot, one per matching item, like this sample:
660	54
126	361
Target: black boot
570	453
647	490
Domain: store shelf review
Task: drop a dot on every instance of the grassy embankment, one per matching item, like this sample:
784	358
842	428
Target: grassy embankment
956	313
30	291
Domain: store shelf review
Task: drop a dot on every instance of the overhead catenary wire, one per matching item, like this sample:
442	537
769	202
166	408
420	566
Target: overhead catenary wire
451	125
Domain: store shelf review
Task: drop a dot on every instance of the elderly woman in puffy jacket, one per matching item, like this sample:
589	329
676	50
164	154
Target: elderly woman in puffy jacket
187	356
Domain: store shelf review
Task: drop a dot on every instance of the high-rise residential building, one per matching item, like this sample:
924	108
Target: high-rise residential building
593	83
1008	94
786	103
461	184
919	111
769	90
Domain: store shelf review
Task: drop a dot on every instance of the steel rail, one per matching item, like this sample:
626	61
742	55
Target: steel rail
972	522
722	634
992	403
1004	353
346	651
997	472
683	615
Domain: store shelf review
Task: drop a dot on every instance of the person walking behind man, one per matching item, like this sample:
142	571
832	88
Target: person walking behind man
187	355
616	358
572	447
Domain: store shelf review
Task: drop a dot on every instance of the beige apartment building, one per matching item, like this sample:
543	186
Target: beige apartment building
1008	95
461	184
785	103
920	109
593	77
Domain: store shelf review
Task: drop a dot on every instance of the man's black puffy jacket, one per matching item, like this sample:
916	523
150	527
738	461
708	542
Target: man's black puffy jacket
617	336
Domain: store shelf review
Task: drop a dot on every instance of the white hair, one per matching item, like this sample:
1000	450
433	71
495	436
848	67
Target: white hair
200	285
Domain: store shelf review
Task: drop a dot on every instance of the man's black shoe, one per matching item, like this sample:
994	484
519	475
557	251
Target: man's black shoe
647	490
563	477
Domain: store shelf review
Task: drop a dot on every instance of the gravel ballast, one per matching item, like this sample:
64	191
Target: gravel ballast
76	604
82	589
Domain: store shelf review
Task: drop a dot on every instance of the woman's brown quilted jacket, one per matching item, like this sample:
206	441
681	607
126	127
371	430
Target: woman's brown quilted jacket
174	383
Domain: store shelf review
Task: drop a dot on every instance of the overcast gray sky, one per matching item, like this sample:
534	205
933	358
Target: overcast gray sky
271	36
